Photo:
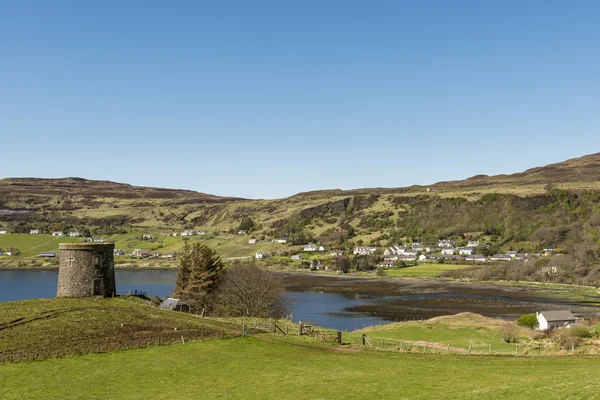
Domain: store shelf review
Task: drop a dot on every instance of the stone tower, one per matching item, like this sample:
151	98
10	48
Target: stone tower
86	269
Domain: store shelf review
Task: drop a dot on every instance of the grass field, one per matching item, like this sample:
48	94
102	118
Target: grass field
256	369
46	328
459	331
424	270
263	366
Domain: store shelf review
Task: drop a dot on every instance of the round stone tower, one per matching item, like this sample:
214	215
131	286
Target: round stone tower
86	269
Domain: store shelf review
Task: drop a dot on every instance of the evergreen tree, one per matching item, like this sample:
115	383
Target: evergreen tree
199	275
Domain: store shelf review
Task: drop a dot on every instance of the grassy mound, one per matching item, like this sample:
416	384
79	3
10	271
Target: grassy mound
45	328
462	330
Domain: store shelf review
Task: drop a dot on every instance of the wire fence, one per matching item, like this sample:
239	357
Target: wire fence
504	349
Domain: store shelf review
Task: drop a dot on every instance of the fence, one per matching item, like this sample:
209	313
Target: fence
504	349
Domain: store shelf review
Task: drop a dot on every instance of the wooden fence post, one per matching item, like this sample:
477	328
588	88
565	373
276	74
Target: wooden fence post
364	339
447	348
470	344
339	337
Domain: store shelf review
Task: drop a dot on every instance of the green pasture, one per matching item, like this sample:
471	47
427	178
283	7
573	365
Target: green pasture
424	270
256	369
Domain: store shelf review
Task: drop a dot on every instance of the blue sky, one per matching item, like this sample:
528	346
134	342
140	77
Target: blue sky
264	99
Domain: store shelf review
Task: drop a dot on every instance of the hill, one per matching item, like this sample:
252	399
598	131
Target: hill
552	205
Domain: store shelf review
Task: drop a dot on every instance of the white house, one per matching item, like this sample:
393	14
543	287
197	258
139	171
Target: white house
190	232
500	257
296	257
465	251
422	257
282	240
476	258
74	234
3	232
445	243
407	257
56	233
147	236
472	243
118	252
321	248
512	253
260	255
311	247
336	253
364	251
202	233
252	241
34	232
448	250
554	319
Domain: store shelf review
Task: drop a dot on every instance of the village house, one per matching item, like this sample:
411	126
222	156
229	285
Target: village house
548	251
410	253
512	253
386	264
202	233
3	232
445	243
465	251
57	233
422	257
472	243
168	255
252	241
548	320
500	257
311	247
476	258
48	254
93	239
190	232
448	250
391	258
141	253
282	240
147	236
156	254
296	257
260	255
74	234
175	234
417	247
407	257
336	253
364	251
242	232
9	253
34	232
431	249
118	252
321	248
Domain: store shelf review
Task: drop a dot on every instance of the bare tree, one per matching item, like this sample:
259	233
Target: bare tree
250	291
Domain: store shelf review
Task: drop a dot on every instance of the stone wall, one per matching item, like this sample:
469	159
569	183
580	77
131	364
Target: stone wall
86	269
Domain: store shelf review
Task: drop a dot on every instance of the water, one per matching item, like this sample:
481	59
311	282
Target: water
322	309
327	301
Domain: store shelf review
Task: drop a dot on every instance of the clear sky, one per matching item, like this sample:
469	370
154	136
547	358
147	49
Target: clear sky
264	99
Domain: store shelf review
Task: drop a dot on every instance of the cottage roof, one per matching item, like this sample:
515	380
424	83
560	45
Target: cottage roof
172	304
561	315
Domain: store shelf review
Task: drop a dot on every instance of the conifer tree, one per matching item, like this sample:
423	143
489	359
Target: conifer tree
199	275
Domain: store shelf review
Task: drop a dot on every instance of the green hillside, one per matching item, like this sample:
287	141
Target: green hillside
556	205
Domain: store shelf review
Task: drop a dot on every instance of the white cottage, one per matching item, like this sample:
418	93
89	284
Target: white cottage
554	319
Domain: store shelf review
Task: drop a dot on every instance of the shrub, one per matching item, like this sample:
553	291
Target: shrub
580	330
528	321
509	333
